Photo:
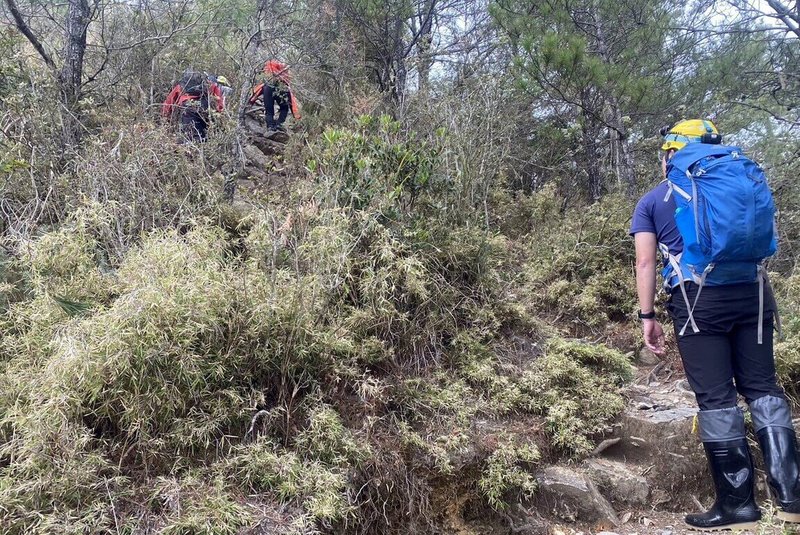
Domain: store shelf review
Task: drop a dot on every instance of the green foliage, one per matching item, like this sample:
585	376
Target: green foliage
787	349
502	472
582	265
576	387
377	165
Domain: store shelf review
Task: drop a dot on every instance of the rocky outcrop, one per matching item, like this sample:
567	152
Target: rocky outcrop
262	158
618	481
569	495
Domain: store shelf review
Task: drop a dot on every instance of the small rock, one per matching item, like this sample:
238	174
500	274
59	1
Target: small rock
643	406
607	533
655	384
684	385
572	496
647	357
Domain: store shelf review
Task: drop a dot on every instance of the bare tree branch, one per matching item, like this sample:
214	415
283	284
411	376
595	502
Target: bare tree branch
792	20
23	27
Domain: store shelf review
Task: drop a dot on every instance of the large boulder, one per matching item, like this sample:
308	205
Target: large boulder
256	157
256	125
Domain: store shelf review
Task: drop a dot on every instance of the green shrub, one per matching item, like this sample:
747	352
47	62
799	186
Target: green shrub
378	166
576	387
581	265
502	472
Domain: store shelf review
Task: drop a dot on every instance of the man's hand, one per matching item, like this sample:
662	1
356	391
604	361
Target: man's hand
653	336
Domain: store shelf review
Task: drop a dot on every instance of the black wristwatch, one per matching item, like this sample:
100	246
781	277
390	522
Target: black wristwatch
649	316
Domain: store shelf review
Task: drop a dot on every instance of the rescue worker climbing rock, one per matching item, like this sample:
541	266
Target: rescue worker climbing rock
224	88
190	102
275	90
712	219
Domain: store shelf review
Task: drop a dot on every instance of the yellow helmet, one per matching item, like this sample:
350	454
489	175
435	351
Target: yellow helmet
221	80
685	132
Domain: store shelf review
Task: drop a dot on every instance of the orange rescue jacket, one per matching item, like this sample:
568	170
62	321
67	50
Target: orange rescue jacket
294	104
177	98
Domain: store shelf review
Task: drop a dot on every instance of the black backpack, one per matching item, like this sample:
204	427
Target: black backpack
194	84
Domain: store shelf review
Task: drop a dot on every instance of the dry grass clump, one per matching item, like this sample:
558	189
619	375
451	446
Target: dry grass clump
576	387
144	178
264	467
502	472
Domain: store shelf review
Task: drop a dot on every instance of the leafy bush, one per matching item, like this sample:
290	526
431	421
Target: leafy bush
378	165
576	387
502	473
582	265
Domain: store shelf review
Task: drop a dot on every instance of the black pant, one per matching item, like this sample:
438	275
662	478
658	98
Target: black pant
275	95
194	124
725	356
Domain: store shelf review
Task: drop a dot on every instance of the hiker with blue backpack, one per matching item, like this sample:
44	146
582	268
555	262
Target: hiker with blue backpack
712	220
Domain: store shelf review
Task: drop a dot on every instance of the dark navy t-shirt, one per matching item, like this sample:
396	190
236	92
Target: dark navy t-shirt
653	214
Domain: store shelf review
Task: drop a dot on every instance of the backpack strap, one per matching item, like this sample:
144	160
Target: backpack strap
675	263
763	280
701	282
672	187
760	304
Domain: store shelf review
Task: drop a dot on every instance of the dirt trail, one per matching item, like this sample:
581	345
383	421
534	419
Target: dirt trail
656	439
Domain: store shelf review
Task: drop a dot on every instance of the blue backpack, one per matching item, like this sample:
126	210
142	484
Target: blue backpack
726	216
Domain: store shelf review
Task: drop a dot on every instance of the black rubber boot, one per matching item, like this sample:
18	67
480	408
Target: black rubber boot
779	447
735	506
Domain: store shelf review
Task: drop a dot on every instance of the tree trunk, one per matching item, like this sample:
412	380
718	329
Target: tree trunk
398	69
424	46
589	133
70	77
620	151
